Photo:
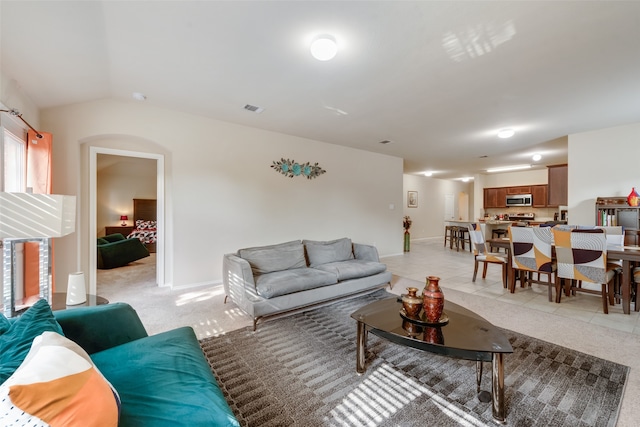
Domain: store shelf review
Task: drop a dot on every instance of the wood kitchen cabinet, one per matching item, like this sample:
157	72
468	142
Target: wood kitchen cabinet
519	190
495	197
539	195
557	193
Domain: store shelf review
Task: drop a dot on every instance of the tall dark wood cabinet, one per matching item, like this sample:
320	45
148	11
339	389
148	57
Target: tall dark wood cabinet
557	191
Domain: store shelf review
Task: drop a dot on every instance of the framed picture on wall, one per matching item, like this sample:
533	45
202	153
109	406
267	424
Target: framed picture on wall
412	199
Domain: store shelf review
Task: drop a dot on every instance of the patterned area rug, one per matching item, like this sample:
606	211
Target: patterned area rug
301	371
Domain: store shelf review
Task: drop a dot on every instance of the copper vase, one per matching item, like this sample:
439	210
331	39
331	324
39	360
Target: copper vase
432	300
412	303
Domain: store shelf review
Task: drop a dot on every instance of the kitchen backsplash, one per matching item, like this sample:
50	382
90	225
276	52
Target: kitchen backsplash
541	214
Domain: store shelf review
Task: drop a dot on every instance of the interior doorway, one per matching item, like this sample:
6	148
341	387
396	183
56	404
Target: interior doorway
100	157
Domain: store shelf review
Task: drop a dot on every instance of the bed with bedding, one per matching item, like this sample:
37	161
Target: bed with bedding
145	222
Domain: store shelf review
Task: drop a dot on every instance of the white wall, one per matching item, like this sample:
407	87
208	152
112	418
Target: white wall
601	163
221	193
428	218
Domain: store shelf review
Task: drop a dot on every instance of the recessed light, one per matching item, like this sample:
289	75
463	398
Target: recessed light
506	133
508	168
428	173
138	96
536	157
324	47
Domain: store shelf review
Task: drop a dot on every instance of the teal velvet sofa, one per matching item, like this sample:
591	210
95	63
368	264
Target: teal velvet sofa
116	251
162	380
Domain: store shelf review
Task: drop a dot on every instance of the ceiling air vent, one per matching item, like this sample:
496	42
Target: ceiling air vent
253	108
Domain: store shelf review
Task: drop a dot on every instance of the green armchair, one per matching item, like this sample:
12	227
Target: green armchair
116	251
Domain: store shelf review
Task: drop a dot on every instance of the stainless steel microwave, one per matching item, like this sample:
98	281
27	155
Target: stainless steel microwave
519	200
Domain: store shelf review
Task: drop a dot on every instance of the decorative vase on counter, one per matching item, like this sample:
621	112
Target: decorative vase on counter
412	303
407	241
432	300
633	199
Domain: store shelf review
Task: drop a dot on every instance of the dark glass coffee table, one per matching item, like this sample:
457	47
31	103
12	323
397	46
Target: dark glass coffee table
465	336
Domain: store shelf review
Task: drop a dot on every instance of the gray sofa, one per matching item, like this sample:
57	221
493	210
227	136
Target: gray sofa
269	280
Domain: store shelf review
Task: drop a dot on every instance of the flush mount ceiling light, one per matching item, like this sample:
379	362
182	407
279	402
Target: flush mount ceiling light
428	173
324	47
506	133
138	96
509	168
536	157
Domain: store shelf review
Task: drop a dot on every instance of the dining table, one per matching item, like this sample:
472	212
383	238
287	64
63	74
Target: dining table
626	254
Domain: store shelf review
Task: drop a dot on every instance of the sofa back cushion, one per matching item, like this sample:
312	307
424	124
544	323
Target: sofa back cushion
323	252
267	259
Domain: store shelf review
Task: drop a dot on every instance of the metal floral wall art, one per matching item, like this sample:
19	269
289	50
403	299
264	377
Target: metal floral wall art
291	168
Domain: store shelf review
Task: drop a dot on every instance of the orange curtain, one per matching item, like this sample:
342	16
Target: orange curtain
39	180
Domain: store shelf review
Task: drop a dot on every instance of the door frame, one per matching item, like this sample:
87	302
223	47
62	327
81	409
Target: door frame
93	232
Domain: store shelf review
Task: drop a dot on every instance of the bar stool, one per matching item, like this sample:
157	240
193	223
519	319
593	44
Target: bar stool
498	233
448	235
462	237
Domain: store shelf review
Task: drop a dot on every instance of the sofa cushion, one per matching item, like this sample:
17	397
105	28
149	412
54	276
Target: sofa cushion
165	380
289	281
353	269
59	385
267	259
323	252
16	340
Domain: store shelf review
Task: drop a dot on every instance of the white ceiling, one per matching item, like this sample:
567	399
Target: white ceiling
436	78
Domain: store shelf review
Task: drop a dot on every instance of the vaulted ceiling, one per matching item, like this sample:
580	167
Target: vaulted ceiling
437	79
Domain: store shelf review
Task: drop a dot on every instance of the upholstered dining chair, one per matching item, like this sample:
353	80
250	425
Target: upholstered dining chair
482	255
531	252
615	237
582	256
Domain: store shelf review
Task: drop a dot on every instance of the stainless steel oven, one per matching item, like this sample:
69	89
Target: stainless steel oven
519	200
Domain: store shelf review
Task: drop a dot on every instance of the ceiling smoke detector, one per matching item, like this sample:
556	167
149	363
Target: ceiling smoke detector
253	108
138	96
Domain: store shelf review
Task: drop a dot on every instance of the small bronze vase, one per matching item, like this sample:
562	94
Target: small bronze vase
432	300
412	303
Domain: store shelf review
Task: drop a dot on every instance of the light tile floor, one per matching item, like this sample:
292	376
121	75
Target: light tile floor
430	258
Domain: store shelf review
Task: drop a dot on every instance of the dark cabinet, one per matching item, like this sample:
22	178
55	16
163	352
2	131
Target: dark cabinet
612	211
558	185
519	190
539	194
495	198
125	231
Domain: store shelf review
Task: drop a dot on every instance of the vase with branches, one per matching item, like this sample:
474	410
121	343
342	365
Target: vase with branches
406	223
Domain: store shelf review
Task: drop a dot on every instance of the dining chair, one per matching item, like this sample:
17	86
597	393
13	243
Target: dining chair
582	256
482	255
615	237
531	252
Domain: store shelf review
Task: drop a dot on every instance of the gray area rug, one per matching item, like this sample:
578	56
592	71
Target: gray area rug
301	371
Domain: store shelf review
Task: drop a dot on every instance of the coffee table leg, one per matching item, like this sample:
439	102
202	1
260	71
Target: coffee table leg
497	388
483	396
361	347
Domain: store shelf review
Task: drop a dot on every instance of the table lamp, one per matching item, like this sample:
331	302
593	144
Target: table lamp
124	219
28	217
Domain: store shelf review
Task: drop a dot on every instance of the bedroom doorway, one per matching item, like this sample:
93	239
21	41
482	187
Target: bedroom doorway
117	178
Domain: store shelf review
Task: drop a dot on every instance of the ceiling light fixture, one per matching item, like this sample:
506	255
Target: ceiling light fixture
536	157
138	96
506	133
508	168
324	47
428	173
